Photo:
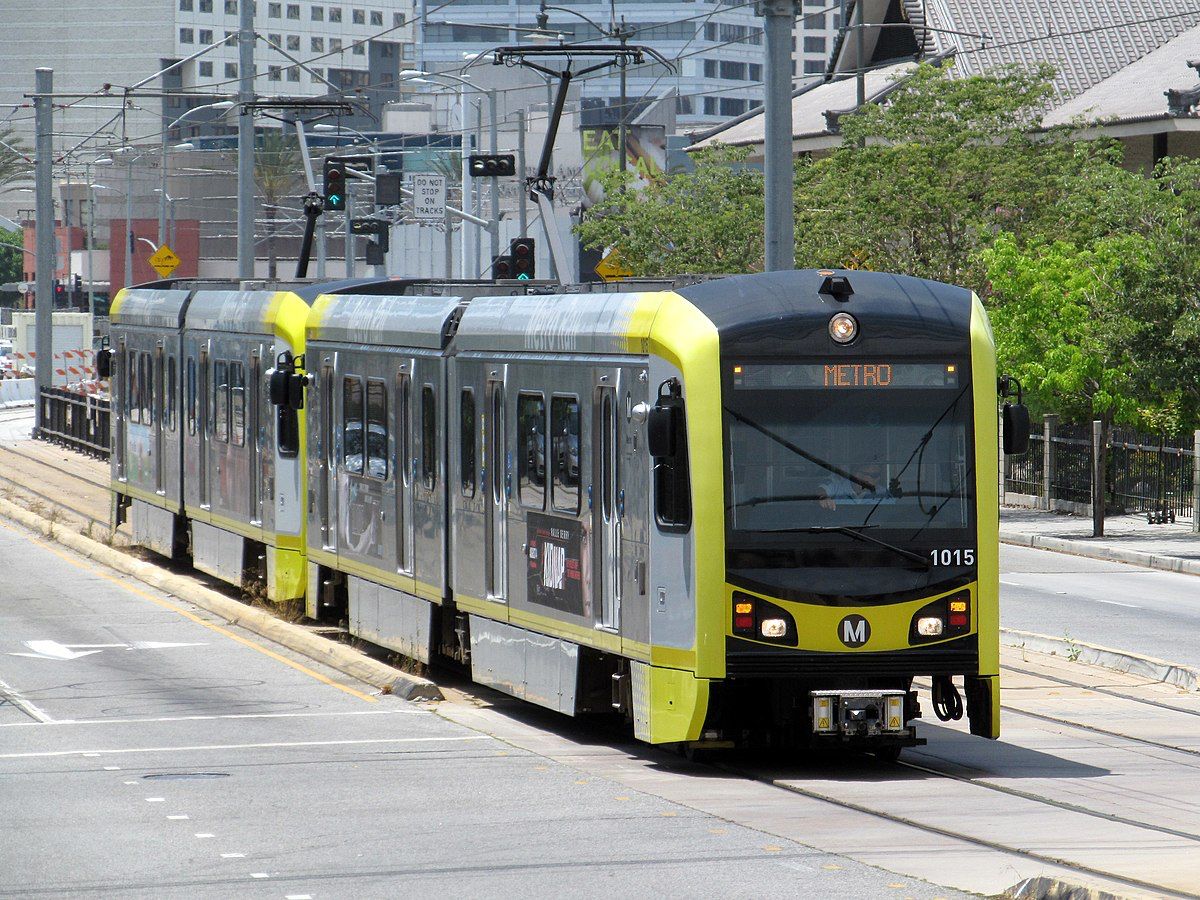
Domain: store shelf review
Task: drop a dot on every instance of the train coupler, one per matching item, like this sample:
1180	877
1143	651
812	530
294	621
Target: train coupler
864	715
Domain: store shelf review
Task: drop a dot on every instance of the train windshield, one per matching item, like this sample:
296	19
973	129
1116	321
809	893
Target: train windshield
866	466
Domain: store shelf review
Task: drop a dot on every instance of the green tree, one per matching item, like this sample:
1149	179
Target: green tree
11	256
15	164
278	175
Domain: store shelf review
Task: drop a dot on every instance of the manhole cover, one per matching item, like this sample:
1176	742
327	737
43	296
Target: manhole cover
182	776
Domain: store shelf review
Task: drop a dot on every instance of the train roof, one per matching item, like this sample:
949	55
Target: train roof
150	307
403	320
601	323
242	312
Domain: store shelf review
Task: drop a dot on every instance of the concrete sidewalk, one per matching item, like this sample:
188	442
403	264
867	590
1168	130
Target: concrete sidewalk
1127	538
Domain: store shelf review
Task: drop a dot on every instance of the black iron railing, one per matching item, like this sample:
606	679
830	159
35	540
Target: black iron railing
74	420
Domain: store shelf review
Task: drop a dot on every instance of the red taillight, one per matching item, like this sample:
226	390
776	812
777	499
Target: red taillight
743	623
958	620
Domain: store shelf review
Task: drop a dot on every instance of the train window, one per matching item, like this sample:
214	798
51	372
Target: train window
155	366
564	453
428	438
531	450
131	394
377	429
146	363
172	387
403	430
190	387
221	400
607	482
237	402
466	447
672	478
352	424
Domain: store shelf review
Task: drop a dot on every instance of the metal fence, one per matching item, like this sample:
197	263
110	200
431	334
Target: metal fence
74	420
1149	474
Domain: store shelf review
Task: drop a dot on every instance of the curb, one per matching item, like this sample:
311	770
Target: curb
1044	887
1109	554
337	656
1177	674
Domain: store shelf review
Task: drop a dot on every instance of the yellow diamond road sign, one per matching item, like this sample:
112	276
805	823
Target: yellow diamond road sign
164	261
611	268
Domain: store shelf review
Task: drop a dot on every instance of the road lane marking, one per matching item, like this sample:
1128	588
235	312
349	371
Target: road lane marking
156	799
178	818
153	719
68	652
53	753
13	696
259	875
1116	603
233	856
204	834
324	679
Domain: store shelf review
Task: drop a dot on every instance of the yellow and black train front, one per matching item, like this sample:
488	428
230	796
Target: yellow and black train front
858	461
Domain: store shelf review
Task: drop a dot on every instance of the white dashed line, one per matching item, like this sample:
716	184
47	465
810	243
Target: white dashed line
156	799
203	834
112	768
233	856
178	818
259	875
271	746
297	897
128	782
1116	603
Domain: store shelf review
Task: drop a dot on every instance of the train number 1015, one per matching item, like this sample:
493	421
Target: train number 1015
952	557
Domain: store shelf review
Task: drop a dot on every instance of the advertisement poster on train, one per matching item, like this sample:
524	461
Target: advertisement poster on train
555	563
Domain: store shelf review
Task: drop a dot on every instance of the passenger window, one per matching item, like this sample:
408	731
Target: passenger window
191	395
237	405
564	450
352	424
531	450
172	387
221	401
403	427
377	429
466	447
145	366
672	479
607	479
132	408
428	438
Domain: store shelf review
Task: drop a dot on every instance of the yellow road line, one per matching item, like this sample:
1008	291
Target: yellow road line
193	617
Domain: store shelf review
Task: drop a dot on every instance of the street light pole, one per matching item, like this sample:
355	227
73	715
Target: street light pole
778	167
46	257
128	220
245	169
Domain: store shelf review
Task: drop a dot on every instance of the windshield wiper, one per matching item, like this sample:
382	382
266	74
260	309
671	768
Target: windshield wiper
800	451
856	532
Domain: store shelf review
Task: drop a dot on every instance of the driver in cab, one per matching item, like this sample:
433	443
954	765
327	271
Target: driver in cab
864	484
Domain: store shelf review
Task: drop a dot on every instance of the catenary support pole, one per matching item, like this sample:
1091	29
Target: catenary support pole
47	259
349	230
245	156
780	17
494	138
523	195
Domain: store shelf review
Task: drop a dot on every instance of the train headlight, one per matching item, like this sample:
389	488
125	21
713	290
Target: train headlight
929	626
773	628
843	328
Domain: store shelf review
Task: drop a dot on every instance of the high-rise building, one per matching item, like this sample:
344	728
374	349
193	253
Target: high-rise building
816	32
715	48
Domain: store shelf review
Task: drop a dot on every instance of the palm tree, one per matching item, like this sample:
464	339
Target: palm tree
278	172
15	163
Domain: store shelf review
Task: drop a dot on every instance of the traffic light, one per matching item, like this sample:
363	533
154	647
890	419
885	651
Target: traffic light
60	293
335	185
502	267
524	259
78	289
486	165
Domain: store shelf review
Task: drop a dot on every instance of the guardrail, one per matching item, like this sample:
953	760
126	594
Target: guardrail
74	420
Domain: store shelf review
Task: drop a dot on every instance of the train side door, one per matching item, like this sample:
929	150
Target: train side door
497	520
406	468
326	496
156	417
606	518
205	412
120	381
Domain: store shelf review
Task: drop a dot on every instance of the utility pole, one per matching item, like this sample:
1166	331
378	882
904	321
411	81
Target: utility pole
47	258
778	167
245	169
494	138
523	195
349	230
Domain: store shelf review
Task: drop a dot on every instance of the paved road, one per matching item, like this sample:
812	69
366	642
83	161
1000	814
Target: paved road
147	750
1116	605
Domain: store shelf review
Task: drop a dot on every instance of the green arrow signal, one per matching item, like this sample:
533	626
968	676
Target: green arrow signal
522	277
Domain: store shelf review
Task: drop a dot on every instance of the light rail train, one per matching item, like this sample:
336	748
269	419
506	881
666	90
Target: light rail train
740	511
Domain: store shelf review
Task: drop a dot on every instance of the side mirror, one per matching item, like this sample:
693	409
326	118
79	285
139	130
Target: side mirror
1016	429
661	428
279	387
295	390
104	363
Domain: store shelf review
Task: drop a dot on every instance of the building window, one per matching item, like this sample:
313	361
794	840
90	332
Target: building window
317	74
205	5
731	106
318	14
205	69
205	36
710	68
276	39
814	45
710	31
360	49
231	70
335	14
186	36
185	5
399	20
274	10
376	18
318	45
335	44
755	71
733	71
274	73
294	73
293	42
814	67
360	17
231	7
293	10
386	51
710	106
